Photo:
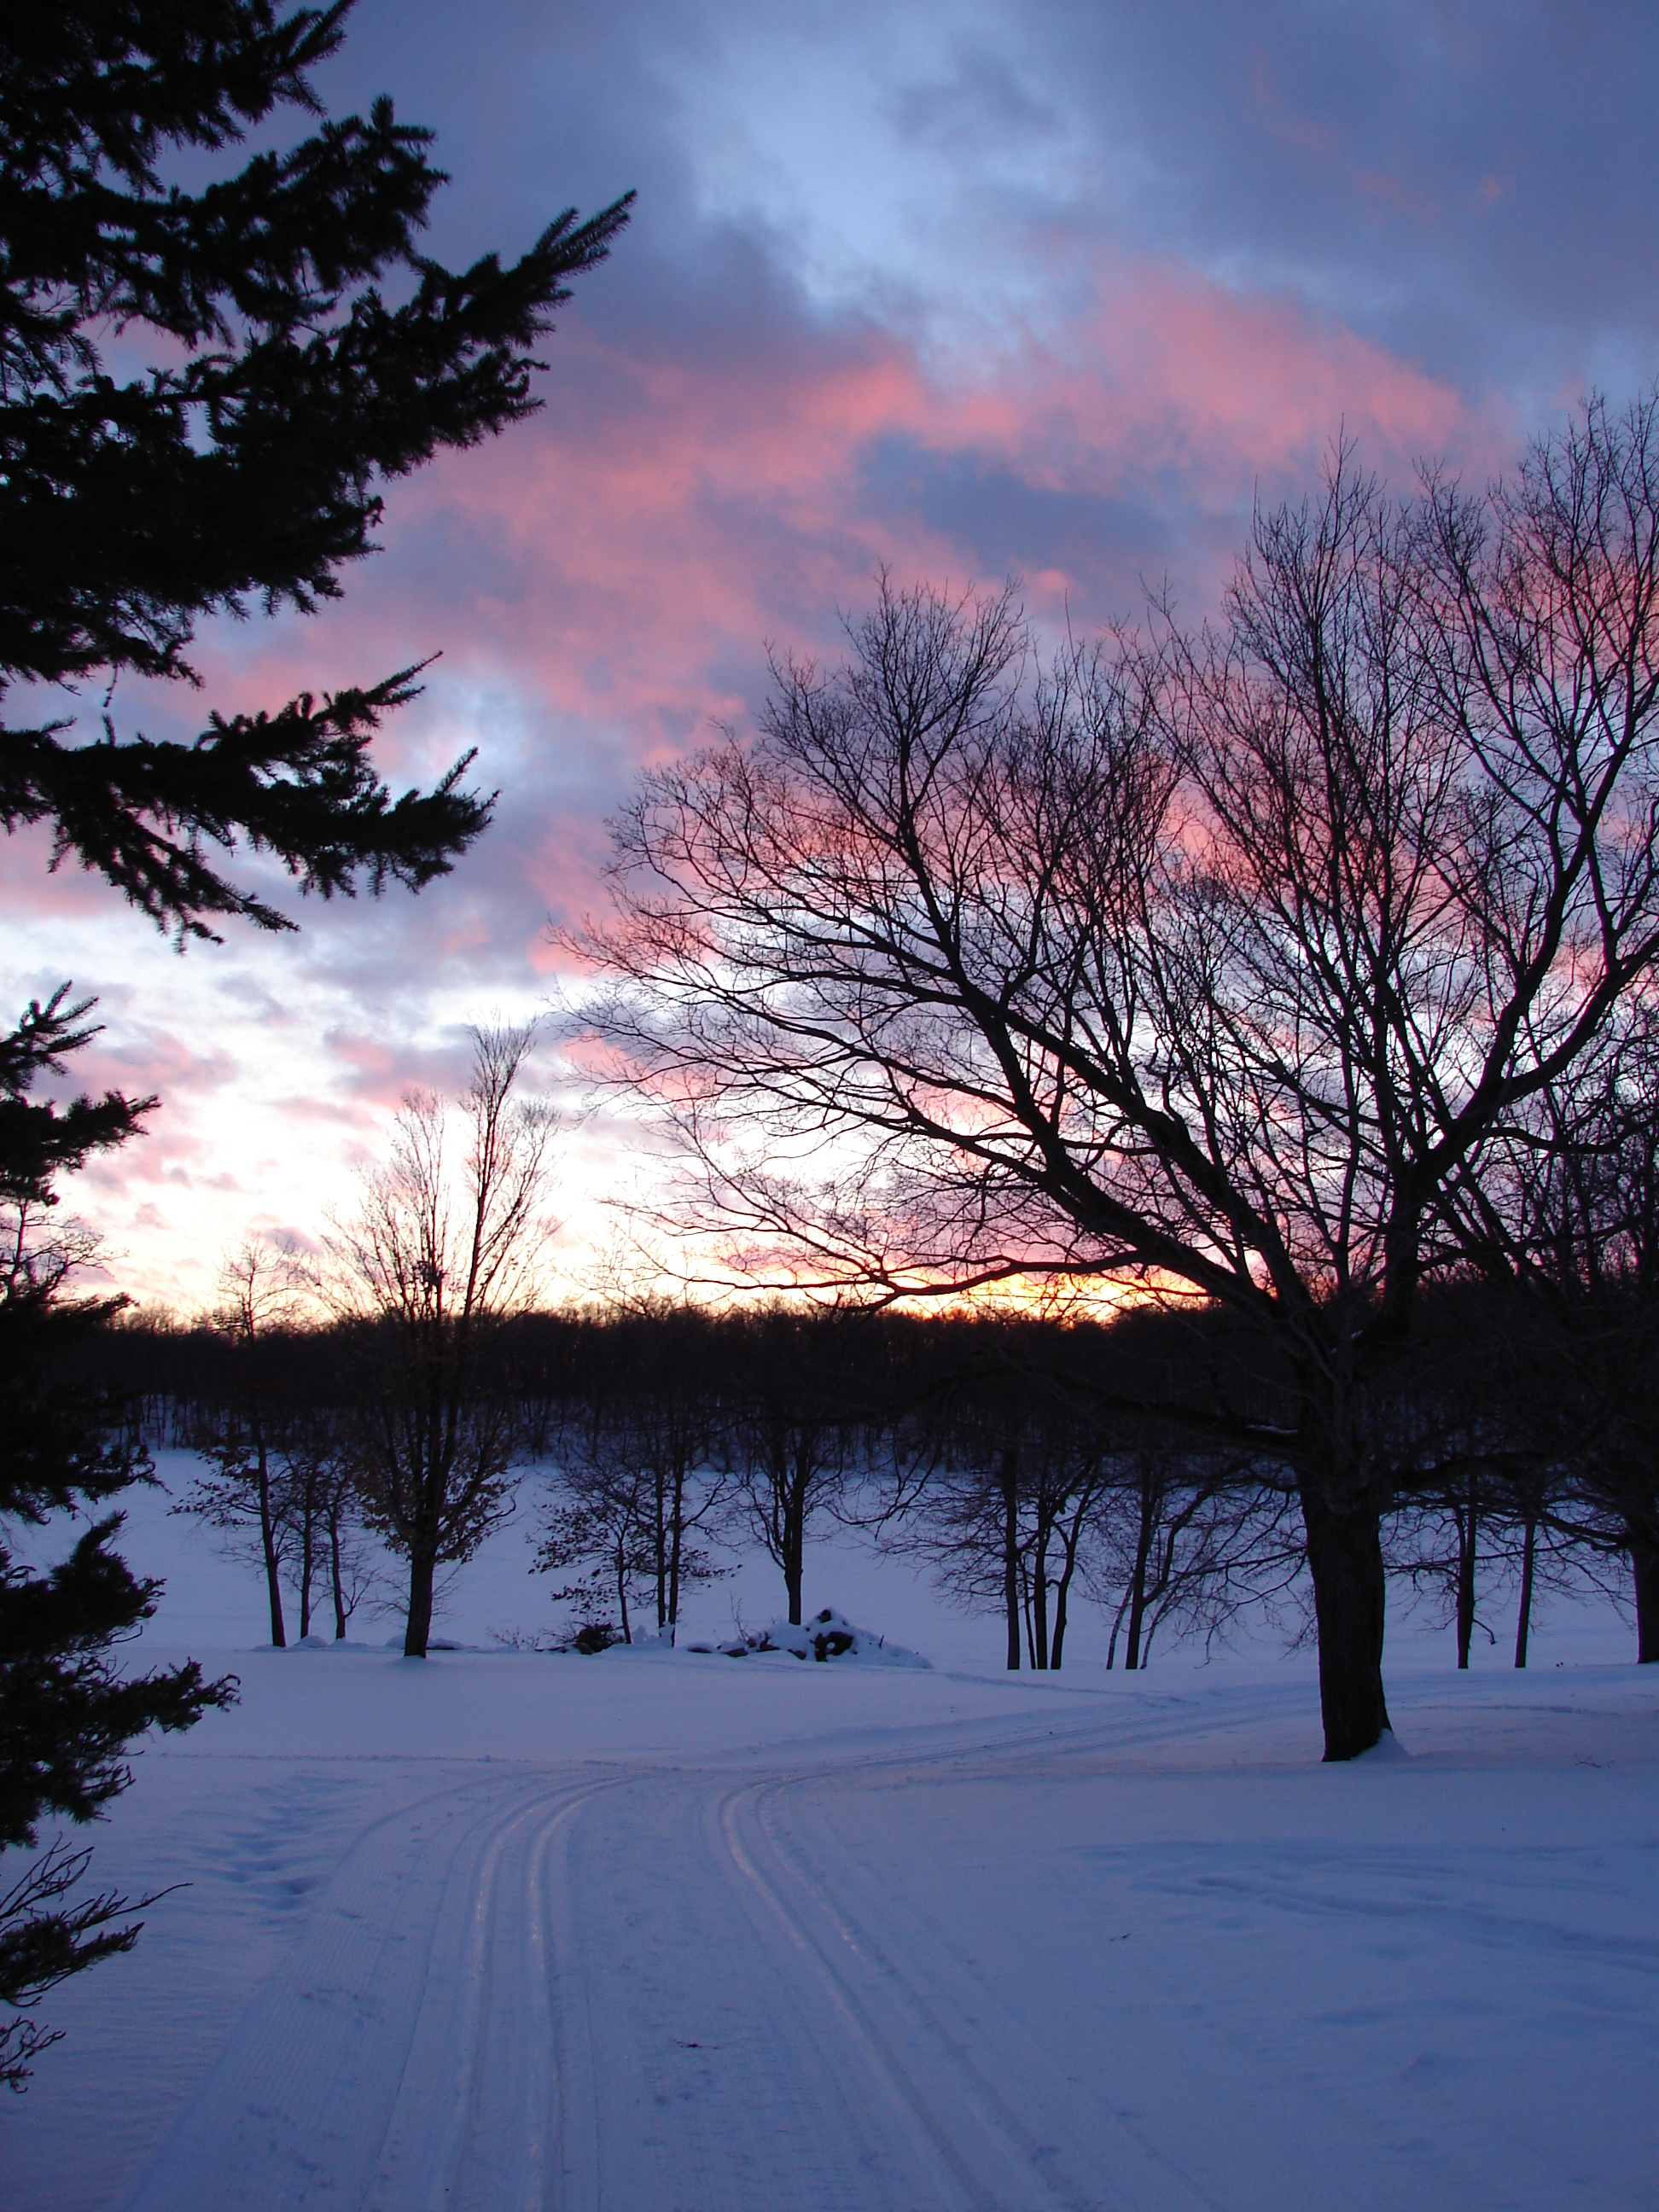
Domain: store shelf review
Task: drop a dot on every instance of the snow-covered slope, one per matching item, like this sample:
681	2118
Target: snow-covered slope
654	1931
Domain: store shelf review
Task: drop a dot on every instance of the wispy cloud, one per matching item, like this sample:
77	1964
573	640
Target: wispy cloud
1153	272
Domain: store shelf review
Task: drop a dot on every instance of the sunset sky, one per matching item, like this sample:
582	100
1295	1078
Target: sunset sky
971	290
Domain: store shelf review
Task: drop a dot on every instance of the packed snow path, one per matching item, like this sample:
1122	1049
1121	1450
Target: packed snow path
940	1944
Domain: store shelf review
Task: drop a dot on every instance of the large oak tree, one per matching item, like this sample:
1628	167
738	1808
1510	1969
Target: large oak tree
1212	962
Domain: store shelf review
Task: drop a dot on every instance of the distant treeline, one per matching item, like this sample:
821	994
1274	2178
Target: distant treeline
1028	1459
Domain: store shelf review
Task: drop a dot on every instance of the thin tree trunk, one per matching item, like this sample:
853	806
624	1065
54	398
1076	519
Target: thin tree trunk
334	1574
268	1541
1059	1645
1070	1539
660	1539
677	1539
1039	1605
1523	1617
421	1566
795	1543
1345	1558
1111	1649
1010	1487
1138	1579
307	1560
1136	1614
622	1585
1467	1531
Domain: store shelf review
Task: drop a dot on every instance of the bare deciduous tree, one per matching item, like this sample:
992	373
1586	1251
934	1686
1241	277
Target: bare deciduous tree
319	1511
1585	1235
1211	963
640	1487
430	1263
793	1406
1004	1517
595	1519
262	1287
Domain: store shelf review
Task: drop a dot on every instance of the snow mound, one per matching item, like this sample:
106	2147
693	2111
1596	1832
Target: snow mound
827	1635
1385	1751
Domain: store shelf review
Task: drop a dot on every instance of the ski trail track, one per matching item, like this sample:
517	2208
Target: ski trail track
650	1991
726	1983
996	2119
955	2138
748	2041
408	2034
711	2061
1011	2125
970	2010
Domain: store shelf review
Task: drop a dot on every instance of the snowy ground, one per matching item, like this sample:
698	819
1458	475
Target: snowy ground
652	1930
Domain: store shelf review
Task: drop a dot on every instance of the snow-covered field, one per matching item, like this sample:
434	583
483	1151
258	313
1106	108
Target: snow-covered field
653	1930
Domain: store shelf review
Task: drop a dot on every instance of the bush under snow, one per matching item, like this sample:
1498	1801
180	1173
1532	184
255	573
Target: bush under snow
828	1635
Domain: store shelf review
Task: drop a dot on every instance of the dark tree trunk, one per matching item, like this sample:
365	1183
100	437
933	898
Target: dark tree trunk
1132	1658
1111	1649
1010	1489
1469	1524
1523	1617
622	1586
1071	1538
1136	1614
659	1538
421	1566
334	1575
268	1542
1644	1563
1060	1589
676	1547
794	1548
307	1566
1345	1558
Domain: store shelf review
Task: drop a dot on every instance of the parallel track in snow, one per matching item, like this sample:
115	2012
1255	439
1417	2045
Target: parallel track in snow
1026	1964
661	1990
965	2149
1013	2120
477	2016
407	2039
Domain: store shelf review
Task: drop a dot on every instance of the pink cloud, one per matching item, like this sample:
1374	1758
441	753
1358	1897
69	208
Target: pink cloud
600	583
723	503
615	565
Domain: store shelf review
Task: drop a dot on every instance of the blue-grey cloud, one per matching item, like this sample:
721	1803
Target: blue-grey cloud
971	289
